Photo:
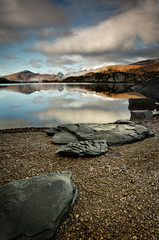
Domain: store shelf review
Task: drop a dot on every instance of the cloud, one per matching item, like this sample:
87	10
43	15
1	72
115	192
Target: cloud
29	14
10	57
12	36
47	33
116	33
19	17
64	60
36	63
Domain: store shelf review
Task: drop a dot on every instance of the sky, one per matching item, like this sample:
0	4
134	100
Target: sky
51	36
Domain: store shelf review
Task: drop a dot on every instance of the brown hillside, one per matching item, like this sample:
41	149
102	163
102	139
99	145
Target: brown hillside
30	76
133	68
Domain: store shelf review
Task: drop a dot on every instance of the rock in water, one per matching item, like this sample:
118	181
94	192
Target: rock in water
33	208
117	133
84	148
141	114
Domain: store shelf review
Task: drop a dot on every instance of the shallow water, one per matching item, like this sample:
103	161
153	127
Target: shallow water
46	105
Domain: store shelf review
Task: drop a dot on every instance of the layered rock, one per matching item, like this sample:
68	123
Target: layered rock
117	133
84	148
33	208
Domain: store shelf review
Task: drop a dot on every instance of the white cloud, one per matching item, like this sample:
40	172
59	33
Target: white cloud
64	60
117	33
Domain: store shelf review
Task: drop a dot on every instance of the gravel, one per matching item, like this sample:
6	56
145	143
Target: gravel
118	192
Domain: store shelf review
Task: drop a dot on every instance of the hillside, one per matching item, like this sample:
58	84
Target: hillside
27	76
136	68
132	73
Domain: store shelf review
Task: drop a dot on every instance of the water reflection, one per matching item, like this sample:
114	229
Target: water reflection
43	105
96	87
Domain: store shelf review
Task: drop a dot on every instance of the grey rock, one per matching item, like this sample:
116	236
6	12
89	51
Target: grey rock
63	137
117	133
33	208
142	114
84	148
50	131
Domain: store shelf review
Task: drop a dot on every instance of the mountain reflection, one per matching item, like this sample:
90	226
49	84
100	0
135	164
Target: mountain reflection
113	90
43	105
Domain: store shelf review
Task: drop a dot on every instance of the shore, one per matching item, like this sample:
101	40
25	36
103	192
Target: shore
118	194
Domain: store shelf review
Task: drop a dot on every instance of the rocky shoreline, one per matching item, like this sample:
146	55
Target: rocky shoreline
118	191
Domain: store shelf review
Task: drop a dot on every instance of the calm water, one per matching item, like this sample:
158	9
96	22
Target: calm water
44	105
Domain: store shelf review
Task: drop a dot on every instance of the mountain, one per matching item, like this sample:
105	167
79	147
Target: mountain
132	73
27	76
147	62
137	67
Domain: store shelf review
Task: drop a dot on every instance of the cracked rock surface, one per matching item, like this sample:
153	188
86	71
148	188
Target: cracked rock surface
33	208
117	133
84	148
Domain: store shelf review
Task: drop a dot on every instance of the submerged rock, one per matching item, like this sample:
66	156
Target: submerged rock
33	208
117	133
84	148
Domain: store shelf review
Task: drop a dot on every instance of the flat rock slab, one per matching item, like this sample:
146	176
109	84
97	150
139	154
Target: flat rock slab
117	133
33	208
84	148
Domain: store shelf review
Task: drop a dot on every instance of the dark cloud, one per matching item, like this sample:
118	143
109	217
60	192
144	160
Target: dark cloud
12	36
16	14
124	57
19	17
10	57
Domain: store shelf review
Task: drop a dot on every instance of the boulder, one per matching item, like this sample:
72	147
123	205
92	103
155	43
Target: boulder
142	114
34	208
84	148
149	88
117	133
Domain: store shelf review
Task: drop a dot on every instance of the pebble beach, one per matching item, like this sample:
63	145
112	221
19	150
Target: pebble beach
118	194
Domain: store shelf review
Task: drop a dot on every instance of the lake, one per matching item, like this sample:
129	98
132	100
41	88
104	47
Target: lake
47	105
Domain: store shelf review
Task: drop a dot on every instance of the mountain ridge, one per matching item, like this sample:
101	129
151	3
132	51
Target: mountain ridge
28	76
130	73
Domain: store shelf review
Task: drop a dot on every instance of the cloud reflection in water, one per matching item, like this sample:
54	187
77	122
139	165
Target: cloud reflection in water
44	108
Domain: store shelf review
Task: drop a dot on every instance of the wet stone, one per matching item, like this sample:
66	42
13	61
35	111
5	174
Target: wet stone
83	148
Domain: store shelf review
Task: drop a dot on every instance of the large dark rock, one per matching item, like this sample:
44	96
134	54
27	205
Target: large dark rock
142	104
84	148
33	208
117	133
149	89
